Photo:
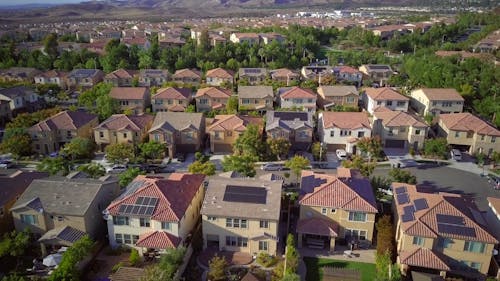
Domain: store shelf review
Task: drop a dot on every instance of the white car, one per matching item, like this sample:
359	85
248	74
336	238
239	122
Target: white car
6	164
272	167
456	154
341	154
116	169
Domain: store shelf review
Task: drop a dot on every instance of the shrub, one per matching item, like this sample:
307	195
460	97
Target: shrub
266	260
116	267
134	257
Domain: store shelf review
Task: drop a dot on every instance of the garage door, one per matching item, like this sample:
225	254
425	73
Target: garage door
334	147
222	148
395	143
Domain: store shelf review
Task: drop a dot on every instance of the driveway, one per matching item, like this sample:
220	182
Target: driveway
175	165
399	157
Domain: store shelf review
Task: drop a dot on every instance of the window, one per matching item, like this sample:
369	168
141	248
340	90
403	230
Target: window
418	240
389	103
229	133
309	100
332	133
401	103
355	234
333	211
127	239
457	134
345	133
475	265
361	134
166	225
350	99
144	222
210	218
236	241
203	101
379	103
158	101
119	238
68	134
493	139
324	211
263	246
357	216
101	134
60	218
444	242
157	137
29	219
169	101
482	137
135	238
236	223
470	135
474	247
124	135
417	132
118	220
245	101
264	224
446	104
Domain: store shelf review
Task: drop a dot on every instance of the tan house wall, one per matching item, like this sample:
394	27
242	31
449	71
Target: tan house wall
136	106
211	101
472	139
192	214
253	103
424	106
226	137
163	104
217	81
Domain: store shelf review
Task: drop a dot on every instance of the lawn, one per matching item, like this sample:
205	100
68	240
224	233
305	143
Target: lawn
314	272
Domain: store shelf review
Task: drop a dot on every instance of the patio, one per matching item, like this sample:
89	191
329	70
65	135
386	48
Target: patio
233	258
359	255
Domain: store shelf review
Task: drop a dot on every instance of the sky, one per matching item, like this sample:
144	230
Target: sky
22	2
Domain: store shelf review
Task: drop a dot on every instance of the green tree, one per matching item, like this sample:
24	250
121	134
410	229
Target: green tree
79	148
437	148
68	268
171	261
371	146
386	271
291	256
50	46
128	176
17	142
54	166
217	268
318	151
154	273
134	257
94	170
243	164
232	105
119	152
191	108
152	149
205	168
250	142
98	101
379	182
14	277
297	164
279	147
15	244
399	175
357	162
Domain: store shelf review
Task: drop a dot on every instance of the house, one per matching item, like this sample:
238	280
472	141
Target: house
181	132
295	97
388	31
340	207
468	132
267	38
255	98
12	184
156	213
153	77
242	215
345	73
342	130
5	111
285	75
172	99
493	216
135	99
187	76
170	41
50	135
332	96
398	129
63	209
85	78
20	74
440	233
433	101
20	99
121	78
249	38
211	98
121	128
314	72
142	43
254	76
219	76
52	77
225	129
295	126
378	73
387	97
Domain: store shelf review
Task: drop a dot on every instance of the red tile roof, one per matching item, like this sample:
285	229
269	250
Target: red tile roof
122	122
317	226
214	92
184	73
158	240
220	73
345	120
441	94
121	73
129	93
384	93
468	122
173	93
174	195
296	92
233	123
423	257
65	120
392	118
348	69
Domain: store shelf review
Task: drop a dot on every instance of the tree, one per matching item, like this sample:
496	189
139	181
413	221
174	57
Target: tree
279	147
50	46
154	273
106	106
68	268
357	162
171	261
54	166
17	142
14	244
399	175
128	176
200	167
297	164
437	148
98	101
243	164
370	145
191	108
318	151
119	152
291	255
79	148
94	170
217	268
250	142
232	105
379	182
386	271
152	149
134	257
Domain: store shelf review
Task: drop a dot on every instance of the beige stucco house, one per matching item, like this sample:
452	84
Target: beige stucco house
187	76
211	98
135	99
331	96
255	98
296	126
121	77
171	99
120	128
85	78
218	76
225	129
434	101
378	73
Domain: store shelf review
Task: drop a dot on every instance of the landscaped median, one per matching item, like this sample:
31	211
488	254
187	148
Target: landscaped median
315	268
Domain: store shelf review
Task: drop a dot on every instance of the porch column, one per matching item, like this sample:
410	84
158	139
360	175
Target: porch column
299	242
332	244
442	273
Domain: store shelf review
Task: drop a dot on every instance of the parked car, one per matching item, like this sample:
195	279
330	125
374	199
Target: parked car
6	164
116	169
341	154
456	155
273	167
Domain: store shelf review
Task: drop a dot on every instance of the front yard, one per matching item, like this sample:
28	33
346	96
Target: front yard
315	273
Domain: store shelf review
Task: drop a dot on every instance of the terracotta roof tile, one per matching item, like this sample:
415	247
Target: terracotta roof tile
129	93
384	93
317	226
423	257
392	118
345	120
348	69
494	203
65	120
283	73
187	73
337	91
233	123
441	94
122	121
296	92
468	122
158	240
220	73
213	92
121	73
173	93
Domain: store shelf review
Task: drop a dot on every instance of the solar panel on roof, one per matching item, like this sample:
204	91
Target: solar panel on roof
450	219
420	204
153	201
135	209
302	116
407	217
150	210
139	200
122	208
403	198
401	189
245	194
456	230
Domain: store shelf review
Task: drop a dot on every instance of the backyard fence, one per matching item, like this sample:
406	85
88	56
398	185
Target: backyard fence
331	273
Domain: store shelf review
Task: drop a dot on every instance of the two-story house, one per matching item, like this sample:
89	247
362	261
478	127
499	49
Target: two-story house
52	77
85	78
267	38
153	77
121	77
218	76
50	135
433	101
182	132
5	111
296	97
21	99
441	233
12	184
240	38
171	99
378	73
242	215
387	97
156	213
20	74
120	128
345	73
63	209
468	132
285	75
187	76
225	129
342	130
211	98
335	207
135	99
398	129
254	76
255	98
331	96
297	127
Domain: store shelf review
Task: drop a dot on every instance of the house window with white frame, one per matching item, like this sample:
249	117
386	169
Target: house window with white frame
324	211
165	225
145	222
29	219
120	220
417	240
263	245
357	216
264	224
